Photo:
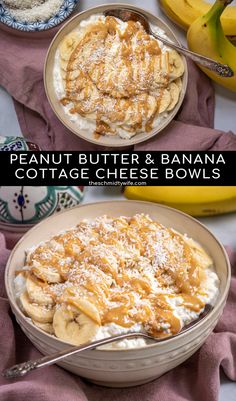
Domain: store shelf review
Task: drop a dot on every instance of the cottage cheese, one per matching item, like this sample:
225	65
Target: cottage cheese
130	263
87	124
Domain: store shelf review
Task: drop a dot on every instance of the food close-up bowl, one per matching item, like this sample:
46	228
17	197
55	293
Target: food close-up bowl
111	130
127	367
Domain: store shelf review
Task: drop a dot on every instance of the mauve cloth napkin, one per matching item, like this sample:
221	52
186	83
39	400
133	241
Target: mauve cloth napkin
21	74
196	379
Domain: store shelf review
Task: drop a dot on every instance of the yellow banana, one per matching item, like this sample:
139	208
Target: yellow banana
39	313
185	12
37	293
206	36
73	326
48	327
173	16
196	201
198	253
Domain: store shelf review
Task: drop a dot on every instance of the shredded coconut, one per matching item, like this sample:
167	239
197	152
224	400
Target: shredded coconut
23	4
137	273
35	10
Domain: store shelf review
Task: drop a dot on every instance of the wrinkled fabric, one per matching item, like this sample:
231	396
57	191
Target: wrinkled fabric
196	379
22	59
193	128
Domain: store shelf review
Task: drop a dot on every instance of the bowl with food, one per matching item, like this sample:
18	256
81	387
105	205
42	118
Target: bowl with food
112	83
113	267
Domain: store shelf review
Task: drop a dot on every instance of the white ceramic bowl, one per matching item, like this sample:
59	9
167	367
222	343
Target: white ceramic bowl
123	368
113	141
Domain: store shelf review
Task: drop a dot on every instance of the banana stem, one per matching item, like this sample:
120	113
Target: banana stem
216	10
226	2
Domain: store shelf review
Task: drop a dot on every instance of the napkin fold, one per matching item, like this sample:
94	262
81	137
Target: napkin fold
21	74
196	379
192	129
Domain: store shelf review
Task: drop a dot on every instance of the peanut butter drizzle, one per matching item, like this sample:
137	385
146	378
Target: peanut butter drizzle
21	271
104	279
124	90
152	317
192	302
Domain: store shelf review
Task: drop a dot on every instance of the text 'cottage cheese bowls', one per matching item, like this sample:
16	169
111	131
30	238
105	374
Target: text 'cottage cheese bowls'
110	82
130	362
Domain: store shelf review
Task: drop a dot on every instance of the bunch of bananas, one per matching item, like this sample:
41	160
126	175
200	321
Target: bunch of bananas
207	32
185	12
206	36
196	201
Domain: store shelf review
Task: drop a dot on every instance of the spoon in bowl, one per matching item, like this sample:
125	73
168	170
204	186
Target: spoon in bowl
126	14
23	368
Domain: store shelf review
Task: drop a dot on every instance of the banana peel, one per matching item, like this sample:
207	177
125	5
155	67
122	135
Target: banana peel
185	12
206	36
196	201
173	16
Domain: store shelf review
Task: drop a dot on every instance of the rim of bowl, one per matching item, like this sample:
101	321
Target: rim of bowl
221	299
121	143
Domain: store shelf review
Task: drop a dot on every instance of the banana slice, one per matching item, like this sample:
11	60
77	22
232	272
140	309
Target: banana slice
161	71
48	327
178	82
73	75
174	93
68	45
91	43
176	65
87	308
46	273
201	257
40	313
63	65
73	326
165	101
66	49
37	293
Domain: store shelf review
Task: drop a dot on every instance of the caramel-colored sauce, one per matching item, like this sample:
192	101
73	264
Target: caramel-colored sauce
118	315
99	270
192	302
21	271
115	87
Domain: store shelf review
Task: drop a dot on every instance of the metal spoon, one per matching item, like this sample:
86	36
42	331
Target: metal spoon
23	368
126	14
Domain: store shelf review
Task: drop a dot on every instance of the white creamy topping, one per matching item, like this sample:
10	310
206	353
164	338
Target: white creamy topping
19	283
159	243
210	286
113	329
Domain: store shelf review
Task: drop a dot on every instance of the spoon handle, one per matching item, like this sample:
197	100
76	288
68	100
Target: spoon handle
221	69
23	368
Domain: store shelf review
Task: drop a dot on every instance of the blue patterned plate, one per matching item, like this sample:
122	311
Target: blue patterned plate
65	10
27	205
